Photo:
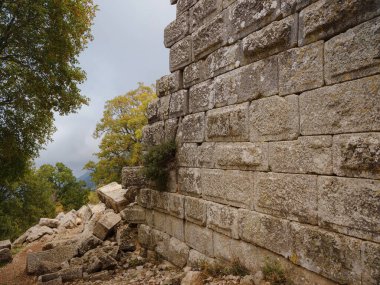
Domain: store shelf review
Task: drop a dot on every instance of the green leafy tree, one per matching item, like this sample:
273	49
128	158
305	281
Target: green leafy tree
40	41
121	130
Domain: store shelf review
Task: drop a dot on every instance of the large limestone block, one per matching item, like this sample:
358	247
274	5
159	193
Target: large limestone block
153	134
194	73
171	129
190	181
144	198
228	123
274	118
36	232
347	107
209	37
246	16
371	263
169	83
49	260
163	107
175	251
84	213
199	238
290	196
357	155
178	104
301	69
132	176
223	60
332	255
193	155
259	79
274	38
184	5
106	224
350	206
291	6
71	274
5	244
196	258
196	210
193	127
144	236
5	255
230	187
304	155
113	196
326	18
51	223
160	201
169	224
176	30
180	54
152	110
176	205
223	219
201	97
241	155
353	54
133	214
203	12
265	231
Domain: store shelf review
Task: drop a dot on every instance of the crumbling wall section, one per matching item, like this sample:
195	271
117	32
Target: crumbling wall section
275	107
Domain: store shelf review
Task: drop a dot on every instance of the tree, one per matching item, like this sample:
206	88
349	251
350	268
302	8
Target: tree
40	41
121	132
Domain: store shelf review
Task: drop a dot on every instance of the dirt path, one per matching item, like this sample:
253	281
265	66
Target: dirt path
14	273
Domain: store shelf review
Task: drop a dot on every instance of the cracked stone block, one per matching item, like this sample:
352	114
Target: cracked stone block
176	30
180	54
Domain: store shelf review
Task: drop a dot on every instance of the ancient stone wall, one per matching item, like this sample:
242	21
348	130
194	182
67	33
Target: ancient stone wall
275	106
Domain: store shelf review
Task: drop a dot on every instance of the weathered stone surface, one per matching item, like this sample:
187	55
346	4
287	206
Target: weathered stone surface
5	244
274	118
49	260
177	205
290	196
190	181
223	219
160	201
152	111
106	224
193	278
332	255
184	5
243	156
171	127
325	18
124	237
145	236
194	73
175	251
51	223
371	263
347	107
180	54
36	232
56	281
176	30
276	37
85	213
265	231
199	238
133	214
193	155
113	196
256	80
178	104
68	220
223	60
291	6
193	127
132	176
209	37
231	187
169	224
5	255
304	155
350	206
353	54
246	16
144	198
203	12
153	134
169	84
71	274
163	107
201	97
357	155
301	69
196	258
88	242
196	210
228	123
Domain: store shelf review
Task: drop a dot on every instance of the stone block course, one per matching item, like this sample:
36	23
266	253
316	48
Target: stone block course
194	73
177	205
196	210
152	111
301	69
190	181
193	155
201	97
163	107
180	54
223	60
203	12
178	104
193	127
184	5
274	38
223	219
347	107
353	54
199	238
292	6
169	84
176	30
290	196
171	127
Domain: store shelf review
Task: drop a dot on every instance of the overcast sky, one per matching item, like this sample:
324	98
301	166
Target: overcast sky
127	48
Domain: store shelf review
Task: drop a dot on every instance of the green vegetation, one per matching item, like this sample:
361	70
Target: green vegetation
93	198
40	41
275	274
218	270
157	162
121	133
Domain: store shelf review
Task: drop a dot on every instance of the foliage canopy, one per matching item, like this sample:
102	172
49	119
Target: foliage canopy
40	41
120	131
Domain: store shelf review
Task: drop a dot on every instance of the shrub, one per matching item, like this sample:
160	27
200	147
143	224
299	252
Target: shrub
275	274
218	269
93	198
157	162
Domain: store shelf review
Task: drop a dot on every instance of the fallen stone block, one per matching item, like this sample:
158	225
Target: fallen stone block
57	281
98	208
5	255
51	223
87	243
5	244
36	232
69	220
125	237
106	224
85	213
113	196
71	274
133	214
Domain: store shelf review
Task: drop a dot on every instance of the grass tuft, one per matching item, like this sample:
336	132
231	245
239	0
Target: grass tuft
275	274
